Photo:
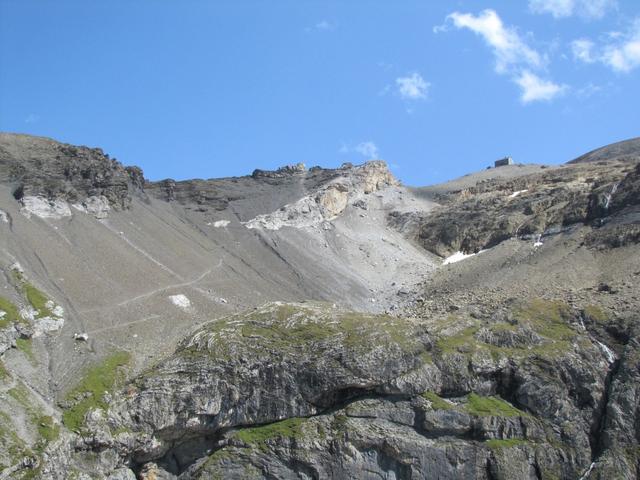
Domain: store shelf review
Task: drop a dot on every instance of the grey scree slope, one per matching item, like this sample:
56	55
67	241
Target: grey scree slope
302	323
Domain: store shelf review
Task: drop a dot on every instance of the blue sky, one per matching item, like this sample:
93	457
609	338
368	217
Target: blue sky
209	89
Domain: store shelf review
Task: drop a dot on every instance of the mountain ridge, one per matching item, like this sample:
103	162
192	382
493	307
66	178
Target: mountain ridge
316	323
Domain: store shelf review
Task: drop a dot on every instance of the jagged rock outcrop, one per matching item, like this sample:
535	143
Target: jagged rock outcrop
532	205
330	200
287	170
305	197
284	185
47	176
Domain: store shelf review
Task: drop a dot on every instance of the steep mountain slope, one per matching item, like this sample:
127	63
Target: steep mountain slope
116	268
303	324
626	150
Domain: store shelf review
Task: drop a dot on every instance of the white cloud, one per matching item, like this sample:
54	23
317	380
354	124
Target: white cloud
625	55
508	48
582	50
588	91
557	8
535	88
367	149
412	87
441	28
32	118
321	26
567	8
512	54
621	53
324	25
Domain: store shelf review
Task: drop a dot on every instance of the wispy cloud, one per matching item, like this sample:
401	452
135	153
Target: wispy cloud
367	149
412	87
620	52
591	9
508	47
588	91
513	56
321	26
32	118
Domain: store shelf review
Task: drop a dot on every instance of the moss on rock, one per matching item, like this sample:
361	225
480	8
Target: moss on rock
437	402
491	407
11	314
287	328
289	428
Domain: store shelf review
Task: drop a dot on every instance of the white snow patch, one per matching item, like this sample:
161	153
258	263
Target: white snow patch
611	357
538	242
518	192
4	217
459	256
180	301
221	223
43	208
81	336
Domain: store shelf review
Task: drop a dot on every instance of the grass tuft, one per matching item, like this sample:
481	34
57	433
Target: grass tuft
437	402
289	328
26	347
47	428
11	314
548	318
491	407
595	313
37	300
499	444
289	428
89	392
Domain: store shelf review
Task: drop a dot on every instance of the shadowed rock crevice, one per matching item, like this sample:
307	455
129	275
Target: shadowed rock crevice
600	417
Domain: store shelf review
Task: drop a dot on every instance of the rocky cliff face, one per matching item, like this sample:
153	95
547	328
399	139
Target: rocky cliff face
313	390
331	200
302	324
48	177
529	206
